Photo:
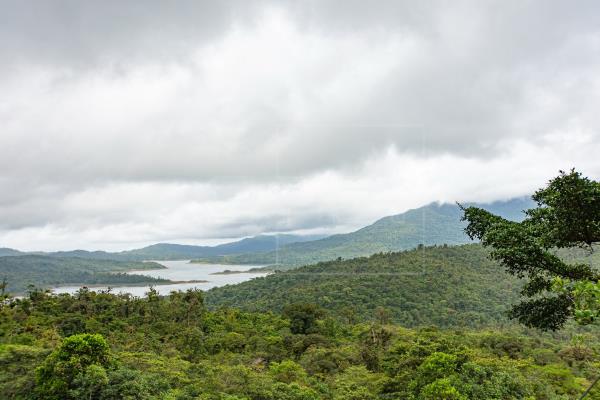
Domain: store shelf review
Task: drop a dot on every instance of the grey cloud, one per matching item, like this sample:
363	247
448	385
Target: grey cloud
88	33
101	93
465	86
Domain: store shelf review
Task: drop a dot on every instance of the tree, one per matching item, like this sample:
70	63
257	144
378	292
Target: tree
441	389
76	367
303	317
567	216
88	383
3	286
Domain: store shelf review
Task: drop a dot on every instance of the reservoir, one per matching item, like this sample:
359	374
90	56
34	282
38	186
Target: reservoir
182	270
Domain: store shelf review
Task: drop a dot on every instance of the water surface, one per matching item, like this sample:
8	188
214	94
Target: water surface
181	270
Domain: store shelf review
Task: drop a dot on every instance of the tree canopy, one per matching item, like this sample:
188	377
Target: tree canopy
102	346
567	216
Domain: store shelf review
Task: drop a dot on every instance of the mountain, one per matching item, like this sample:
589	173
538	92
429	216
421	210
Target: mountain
262	243
433	224
89	255
169	251
5	251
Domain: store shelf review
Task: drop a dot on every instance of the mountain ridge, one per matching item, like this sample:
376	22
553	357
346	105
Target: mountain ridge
432	224
174	251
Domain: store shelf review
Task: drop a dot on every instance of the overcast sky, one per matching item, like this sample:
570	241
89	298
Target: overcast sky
126	123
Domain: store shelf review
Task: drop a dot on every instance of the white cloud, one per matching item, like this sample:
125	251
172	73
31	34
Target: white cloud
124	215
234	120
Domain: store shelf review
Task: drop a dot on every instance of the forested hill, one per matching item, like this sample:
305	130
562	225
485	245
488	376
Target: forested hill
434	224
43	272
443	286
5	251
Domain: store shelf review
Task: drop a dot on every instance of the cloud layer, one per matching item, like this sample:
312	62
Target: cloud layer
128	123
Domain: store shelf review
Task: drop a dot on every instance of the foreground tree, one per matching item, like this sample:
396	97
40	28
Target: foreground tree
567	216
76	369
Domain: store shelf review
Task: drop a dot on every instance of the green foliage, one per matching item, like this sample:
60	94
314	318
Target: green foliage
76	369
441	389
174	348
358	383
567	216
45	271
17	369
287	371
303	317
443	286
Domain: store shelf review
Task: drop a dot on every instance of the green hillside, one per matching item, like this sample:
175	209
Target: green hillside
443	286
447	286
434	224
43	272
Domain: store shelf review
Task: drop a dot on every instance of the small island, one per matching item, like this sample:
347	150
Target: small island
230	272
247	271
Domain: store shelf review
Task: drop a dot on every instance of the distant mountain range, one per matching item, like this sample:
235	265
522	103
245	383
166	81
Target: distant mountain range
429	225
433	224
169	251
261	243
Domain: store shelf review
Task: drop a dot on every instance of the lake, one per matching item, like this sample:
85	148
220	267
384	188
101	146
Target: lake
181	270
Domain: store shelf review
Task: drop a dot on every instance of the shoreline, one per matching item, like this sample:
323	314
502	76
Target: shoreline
137	284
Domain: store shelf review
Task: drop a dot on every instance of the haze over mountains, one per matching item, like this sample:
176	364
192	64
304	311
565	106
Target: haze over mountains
429	225
170	251
433	224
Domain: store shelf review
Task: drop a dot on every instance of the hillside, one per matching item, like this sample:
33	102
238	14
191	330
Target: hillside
5	251
434	224
169	251
43	272
429	225
442	286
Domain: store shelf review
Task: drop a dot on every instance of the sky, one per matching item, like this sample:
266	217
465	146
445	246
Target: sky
126	123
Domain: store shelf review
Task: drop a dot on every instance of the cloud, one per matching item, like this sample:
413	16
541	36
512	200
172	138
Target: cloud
144	121
125	215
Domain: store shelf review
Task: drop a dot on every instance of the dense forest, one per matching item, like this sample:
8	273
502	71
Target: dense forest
19	272
447	286
106	346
